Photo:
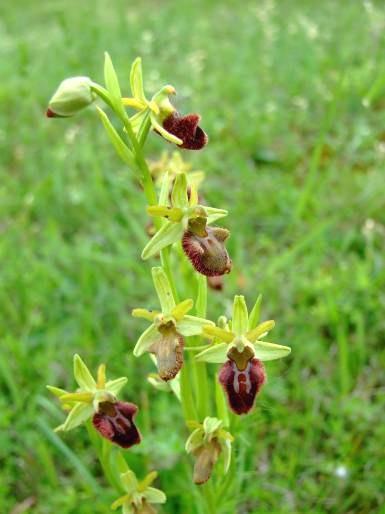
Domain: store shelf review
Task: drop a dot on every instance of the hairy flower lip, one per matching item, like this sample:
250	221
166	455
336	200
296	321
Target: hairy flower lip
187	129
208	253
114	421
242	386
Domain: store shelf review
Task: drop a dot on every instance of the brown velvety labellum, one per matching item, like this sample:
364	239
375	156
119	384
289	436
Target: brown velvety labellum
114	421
187	129
208	253
144	508
242	386
168	350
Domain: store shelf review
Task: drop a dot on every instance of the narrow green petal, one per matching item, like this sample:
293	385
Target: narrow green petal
262	328
182	309
270	351
163	132
137	120
171	213
179	192
78	414
163	290
56	391
255	313
145	314
220	333
148	337
167	235
82	375
216	354
120	502
114	386
154	495
226	451
136	80
240	320
214	214
192	326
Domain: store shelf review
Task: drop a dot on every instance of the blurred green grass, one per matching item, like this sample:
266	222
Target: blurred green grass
299	162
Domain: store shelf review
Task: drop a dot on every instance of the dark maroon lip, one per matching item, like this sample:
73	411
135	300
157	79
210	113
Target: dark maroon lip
242	386
114	421
187	129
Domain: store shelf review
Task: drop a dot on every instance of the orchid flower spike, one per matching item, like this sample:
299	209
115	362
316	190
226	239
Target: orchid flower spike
206	443
242	351
140	496
165	336
183	131
188	222
97	399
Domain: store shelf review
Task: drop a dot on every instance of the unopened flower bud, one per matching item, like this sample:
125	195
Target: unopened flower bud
187	129
206	457
114	421
72	95
207	252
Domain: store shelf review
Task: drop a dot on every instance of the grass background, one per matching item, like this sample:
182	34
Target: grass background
298	160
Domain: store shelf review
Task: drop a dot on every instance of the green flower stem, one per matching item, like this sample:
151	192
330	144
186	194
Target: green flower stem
203	387
220	401
208	493
188	407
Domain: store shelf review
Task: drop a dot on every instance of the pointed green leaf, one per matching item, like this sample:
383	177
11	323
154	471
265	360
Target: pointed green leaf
163	290
121	148
270	351
255	313
154	495
82	375
214	214
240	320
192	326
216	354
163	132
136	79
168	234
114	386
149	336
78	414
179	192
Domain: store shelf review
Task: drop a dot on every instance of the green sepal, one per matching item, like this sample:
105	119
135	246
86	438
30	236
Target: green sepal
129	482
78	414
114	386
153	495
171	213
195	440
136	80
270	351
226	451
164	189
145	314
167	235
191	325
214	214
219	333
163	290
144	342
211	424
56	391
216	353
82	375
112	83
121	148
179	192
255	313
240	320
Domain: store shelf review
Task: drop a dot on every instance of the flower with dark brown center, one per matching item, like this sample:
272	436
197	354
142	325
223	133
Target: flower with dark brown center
114	421
187	129
206	250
